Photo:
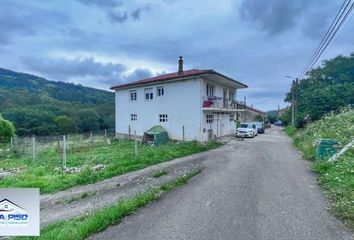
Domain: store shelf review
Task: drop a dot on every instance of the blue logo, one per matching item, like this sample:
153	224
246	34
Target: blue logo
11	213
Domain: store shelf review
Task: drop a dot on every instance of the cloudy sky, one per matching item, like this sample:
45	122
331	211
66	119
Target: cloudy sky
100	43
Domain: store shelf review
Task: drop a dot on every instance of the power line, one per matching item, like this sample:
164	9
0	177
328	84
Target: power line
335	26
324	39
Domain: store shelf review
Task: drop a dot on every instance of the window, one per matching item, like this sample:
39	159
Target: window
133	95
231	96
210	90
232	117
160	91
209	118
163	117
133	117
149	95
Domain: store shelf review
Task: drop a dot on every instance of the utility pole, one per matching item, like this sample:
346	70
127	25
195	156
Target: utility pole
296	99
293	104
244	115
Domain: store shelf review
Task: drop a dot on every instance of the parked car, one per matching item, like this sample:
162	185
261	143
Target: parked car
260	127
247	130
278	123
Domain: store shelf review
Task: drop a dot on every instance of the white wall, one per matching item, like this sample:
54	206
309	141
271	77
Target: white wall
181	102
221	125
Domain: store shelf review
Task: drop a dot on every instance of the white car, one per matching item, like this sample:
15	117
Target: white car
247	130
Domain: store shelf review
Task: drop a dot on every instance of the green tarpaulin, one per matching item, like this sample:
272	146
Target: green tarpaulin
157	134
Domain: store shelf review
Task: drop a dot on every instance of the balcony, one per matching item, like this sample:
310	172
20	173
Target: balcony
219	104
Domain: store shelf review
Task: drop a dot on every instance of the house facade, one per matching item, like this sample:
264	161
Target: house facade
190	105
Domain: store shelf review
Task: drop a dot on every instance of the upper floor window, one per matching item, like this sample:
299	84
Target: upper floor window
149	95
209	118
163	118
209	90
133	117
231	95
133	95
160	91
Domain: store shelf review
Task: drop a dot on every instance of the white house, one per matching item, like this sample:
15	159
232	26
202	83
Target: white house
190	105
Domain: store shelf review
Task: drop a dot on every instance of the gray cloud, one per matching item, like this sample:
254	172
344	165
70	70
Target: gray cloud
138	74
118	16
102	3
273	16
63	68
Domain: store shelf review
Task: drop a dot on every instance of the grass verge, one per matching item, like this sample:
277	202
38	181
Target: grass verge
336	178
83	227
160	173
119	158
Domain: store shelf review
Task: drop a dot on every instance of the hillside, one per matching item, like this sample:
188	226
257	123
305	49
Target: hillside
38	106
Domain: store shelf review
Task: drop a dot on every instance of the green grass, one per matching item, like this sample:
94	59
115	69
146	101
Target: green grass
336	178
160	173
119	158
83	227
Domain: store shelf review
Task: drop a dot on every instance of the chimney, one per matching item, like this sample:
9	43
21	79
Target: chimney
180	66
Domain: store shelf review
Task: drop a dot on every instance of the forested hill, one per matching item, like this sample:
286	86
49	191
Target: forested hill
38	106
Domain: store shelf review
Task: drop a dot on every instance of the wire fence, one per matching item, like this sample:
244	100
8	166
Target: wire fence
54	151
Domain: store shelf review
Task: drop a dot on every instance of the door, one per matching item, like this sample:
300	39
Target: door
224	98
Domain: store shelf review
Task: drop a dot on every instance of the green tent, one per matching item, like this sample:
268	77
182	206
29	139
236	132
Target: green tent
157	135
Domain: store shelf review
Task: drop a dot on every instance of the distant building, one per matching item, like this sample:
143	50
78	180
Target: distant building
248	115
191	105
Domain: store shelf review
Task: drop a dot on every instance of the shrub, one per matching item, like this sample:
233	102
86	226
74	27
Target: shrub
7	130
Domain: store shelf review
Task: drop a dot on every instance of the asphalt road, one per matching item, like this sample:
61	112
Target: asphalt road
254	189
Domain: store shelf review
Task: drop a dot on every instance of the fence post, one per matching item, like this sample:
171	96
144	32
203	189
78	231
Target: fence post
11	144
129	132
64	153
105	133
183	133
34	148
135	145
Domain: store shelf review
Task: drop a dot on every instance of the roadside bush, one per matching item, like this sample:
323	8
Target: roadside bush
7	130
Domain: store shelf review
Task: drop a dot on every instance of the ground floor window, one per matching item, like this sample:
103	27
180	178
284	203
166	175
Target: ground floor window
232	117
163	118
133	117
209	118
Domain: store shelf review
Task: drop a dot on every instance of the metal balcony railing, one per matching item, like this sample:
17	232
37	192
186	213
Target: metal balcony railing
218	102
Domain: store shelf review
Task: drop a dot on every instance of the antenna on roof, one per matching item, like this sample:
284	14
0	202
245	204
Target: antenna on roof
180	66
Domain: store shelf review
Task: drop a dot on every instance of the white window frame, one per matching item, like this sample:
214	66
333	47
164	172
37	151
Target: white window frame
163	118
209	118
160	91
133	117
133	96
148	94
210	90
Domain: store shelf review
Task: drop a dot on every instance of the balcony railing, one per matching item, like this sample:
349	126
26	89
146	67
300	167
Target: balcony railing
218	103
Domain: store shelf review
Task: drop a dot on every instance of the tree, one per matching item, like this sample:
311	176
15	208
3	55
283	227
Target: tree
89	120
258	118
7	130
327	88
65	125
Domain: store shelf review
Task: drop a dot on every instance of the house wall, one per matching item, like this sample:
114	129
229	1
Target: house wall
221	124
181	102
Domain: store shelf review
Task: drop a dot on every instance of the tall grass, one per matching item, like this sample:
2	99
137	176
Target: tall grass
337	178
118	157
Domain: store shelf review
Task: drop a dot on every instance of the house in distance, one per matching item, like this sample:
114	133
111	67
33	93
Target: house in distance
190	104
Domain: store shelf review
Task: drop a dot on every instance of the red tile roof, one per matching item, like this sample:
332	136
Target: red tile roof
175	75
